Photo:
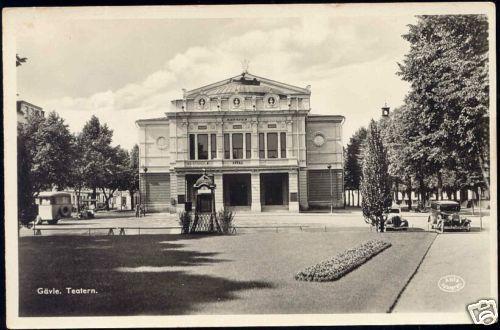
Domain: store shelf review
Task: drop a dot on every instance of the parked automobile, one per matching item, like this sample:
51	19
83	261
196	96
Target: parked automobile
444	215
53	206
394	220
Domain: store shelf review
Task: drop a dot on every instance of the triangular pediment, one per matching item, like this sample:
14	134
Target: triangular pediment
247	83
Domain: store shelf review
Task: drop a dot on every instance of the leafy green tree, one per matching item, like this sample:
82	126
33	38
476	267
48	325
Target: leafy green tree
53	153
447	67
97	153
353	162
376	185
133	174
45	158
78	169
117	174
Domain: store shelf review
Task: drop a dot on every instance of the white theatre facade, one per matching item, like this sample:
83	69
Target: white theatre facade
255	137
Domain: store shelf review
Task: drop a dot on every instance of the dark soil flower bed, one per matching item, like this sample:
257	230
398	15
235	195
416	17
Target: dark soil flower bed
344	262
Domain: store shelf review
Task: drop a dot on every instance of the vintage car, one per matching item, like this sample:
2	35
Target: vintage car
444	215
53	205
394	220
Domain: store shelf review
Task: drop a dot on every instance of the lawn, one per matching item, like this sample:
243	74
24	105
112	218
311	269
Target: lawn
245	273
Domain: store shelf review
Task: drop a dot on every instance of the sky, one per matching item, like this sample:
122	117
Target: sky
126	69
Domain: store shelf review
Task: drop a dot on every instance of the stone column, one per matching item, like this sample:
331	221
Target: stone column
293	189
173	191
303	201
219	192
255	139
220	139
181	190
289	138
255	182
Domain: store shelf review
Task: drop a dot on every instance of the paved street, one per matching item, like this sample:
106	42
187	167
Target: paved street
340	220
462	254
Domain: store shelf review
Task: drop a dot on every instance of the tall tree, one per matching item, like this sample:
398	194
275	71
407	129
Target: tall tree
447	67
45	156
53	153
117	174
353	161
97	153
376	185
133	179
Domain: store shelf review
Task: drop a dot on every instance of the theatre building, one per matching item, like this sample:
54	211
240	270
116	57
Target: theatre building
255	137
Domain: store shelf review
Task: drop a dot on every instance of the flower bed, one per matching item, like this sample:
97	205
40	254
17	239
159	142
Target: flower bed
344	262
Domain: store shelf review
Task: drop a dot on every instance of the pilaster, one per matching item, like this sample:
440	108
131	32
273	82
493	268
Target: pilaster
181	191
255	182
293	188
219	192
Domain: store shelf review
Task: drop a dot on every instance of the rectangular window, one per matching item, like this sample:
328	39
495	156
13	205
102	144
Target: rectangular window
248	145
213	146
283	144
237	145
202	146
262	151
226	146
272	145
191	147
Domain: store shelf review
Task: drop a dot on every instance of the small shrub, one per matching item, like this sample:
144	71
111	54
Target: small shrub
225	219
185	221
343	263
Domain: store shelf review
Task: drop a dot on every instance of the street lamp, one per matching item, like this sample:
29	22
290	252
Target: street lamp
145	169
331	188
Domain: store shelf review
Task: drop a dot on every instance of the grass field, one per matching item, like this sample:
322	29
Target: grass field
245	273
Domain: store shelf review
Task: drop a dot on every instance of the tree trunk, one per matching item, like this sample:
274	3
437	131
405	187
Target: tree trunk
349	198
358	199
440	186
397	191
77	195
352	197
132	206
94	196
408	192
422	190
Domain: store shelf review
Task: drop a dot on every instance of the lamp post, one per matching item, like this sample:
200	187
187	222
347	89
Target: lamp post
145	169
331	188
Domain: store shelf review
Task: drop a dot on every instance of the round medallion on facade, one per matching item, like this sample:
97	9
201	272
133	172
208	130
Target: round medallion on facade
236	102
271	100
202	102
319	139
161	143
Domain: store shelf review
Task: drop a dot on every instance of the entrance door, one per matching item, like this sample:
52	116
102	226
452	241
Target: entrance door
274	188
236	189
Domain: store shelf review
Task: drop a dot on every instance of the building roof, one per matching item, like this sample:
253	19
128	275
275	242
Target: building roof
150	120
247	83
335	118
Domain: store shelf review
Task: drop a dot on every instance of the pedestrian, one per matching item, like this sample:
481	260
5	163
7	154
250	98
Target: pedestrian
143	210
137	210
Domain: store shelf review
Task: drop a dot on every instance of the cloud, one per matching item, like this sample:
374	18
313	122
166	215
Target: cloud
337	56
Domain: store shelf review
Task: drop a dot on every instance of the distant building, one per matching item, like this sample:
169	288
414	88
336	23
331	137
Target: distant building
255	137
25	108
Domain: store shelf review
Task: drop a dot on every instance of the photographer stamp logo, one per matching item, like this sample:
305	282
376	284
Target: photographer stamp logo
483	312
451	283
